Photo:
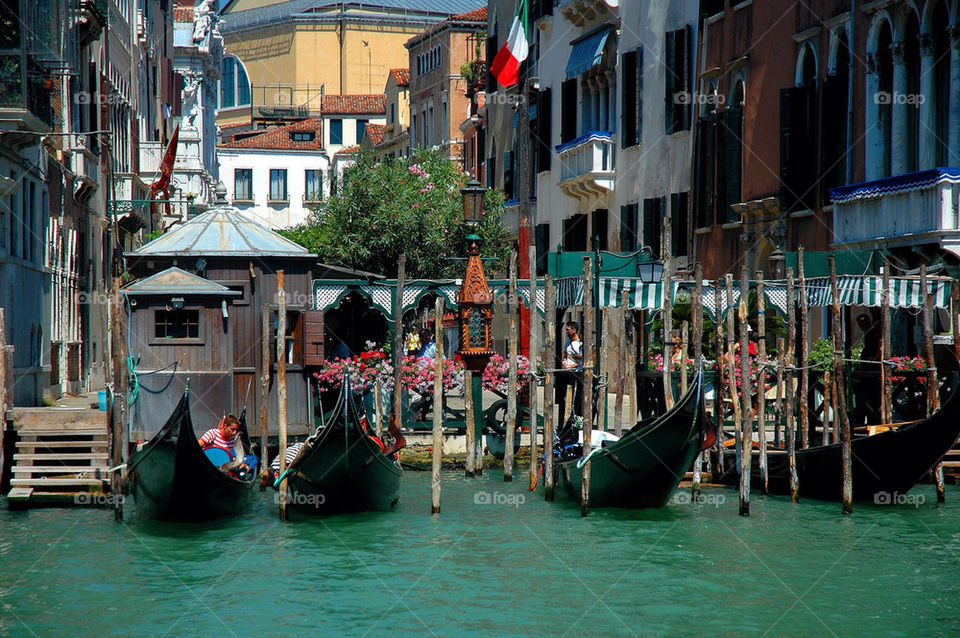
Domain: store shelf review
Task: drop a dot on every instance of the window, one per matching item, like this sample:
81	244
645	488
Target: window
678	223
833	124
542	240
678	80
313	185
278	184
653	223
575	233
336	131
600	228
911	58
544	132
628	228
361	127
303	136
568	110
797	150
234	84
509	159
243	184
705	153
491	54
492	166
393	113
176	324
632	108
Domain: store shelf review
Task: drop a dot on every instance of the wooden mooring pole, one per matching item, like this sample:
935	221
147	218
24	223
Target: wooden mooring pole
746	391
840	399
804	355
532	394
790	431
512	374
282	388
471	422
731	371
826	408
118	402
622	361
696	307
437	409
719	385
886	383
398	343
549	361
667	333
778	410
589	357
684	351
265	386
933	385
762	382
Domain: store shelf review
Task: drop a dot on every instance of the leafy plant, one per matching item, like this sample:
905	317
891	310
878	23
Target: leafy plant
397	206
821	355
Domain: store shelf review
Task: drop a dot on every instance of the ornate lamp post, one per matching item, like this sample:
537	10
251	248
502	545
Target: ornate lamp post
475	300
474	316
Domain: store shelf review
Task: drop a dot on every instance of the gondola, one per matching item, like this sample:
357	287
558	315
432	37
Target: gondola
341	468
173	479
643	467
883	464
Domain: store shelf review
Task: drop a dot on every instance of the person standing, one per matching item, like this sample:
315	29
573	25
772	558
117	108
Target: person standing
572	373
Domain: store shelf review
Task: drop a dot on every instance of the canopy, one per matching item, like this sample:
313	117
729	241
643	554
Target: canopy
587	52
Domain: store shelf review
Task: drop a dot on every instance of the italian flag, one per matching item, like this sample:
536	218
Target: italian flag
506	64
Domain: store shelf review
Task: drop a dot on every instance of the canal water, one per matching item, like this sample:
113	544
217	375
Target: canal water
497	561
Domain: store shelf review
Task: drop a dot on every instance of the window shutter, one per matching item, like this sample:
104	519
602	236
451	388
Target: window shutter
679	216
834	133
732	160
668	96
545	130
629	109
685	76
639	107
791	146
600	227
568	110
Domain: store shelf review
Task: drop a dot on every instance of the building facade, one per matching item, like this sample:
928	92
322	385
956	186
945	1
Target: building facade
295	52
438	86
276	177
396	133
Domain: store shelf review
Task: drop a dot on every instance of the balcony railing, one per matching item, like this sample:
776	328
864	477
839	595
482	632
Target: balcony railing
588	164
906	209
286	101
23	85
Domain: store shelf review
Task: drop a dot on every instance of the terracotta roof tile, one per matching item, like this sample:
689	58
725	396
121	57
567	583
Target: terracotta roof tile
183	14
281	139
375	133
401	76
354	104
349	150
477	15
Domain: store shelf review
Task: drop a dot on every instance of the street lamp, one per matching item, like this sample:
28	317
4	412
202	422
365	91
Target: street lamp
650	272
475	301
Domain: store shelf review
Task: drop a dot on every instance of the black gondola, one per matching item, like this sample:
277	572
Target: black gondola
884	464
341	468
642	468
173	478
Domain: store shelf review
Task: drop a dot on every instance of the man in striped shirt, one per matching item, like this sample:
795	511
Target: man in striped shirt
225	437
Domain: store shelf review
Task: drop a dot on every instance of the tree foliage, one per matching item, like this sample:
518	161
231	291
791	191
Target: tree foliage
400	206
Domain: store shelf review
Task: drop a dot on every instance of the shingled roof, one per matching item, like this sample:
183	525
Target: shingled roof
401	76
469	20
281	138
354	104
375	133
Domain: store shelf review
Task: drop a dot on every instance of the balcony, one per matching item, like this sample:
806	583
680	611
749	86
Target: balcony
580	12
91	20
588	165
905	210
25	96
86	167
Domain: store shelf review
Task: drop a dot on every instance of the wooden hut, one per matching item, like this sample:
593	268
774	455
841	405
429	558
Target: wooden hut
196	312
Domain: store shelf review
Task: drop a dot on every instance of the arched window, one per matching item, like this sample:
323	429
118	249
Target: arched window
234	84
835	115
884	97
806	66
940	24
910	102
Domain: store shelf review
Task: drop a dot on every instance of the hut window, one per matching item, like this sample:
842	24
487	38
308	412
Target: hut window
177	324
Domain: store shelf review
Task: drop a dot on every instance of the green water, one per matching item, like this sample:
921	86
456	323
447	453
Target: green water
521	567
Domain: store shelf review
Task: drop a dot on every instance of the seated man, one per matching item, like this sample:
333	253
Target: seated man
268	476
226	437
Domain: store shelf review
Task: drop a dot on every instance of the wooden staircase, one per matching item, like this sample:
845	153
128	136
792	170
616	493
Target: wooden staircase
61	458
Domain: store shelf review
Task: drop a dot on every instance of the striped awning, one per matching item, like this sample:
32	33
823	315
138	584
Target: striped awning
641	296
906	293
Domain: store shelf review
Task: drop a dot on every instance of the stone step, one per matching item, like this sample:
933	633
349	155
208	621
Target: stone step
62	444
58	418
32	433
60	469
40	482
72	456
